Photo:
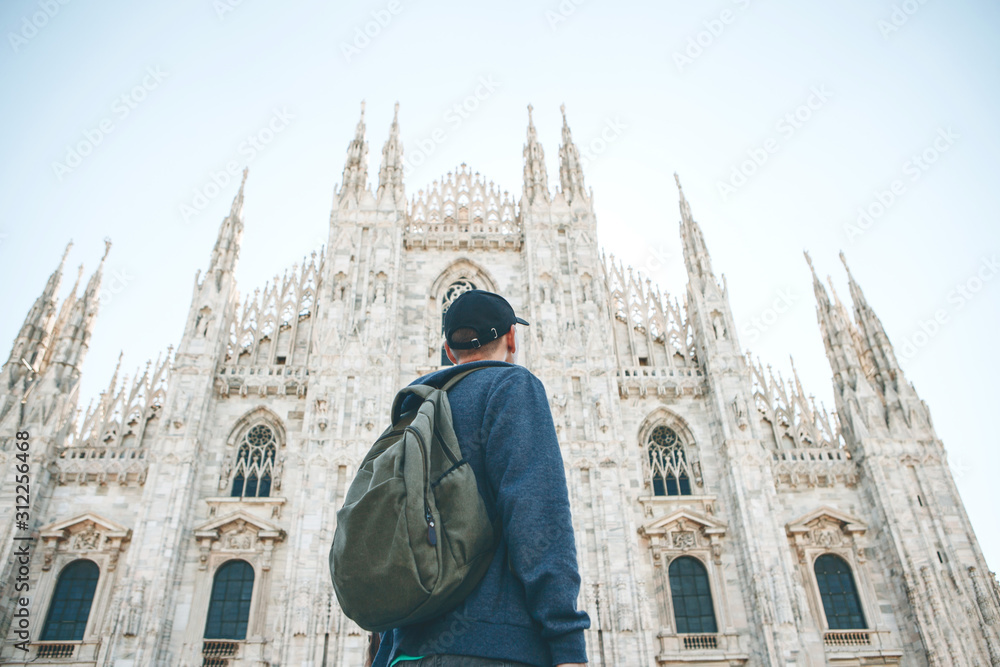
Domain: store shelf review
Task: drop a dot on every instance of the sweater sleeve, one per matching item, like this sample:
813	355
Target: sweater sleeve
526	469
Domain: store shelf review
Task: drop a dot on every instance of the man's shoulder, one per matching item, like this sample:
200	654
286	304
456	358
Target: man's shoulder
492	373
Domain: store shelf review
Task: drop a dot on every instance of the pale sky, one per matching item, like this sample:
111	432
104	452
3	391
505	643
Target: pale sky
839	106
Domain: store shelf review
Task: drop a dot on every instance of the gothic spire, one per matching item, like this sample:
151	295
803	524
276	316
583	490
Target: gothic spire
67	306
827	317
94	284
795	376
838	338
863	354
36	330
59	326
536	180
390	175
75	331
355	179
570	169
52	286
107	396
226	252
236	209
696	257
873	339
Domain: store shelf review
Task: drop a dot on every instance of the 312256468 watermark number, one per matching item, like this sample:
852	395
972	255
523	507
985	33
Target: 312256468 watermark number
21	624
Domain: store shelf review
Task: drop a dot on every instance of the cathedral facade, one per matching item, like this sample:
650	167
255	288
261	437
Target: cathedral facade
720	516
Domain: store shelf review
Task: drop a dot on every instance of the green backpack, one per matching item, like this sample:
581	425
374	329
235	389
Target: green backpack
413	538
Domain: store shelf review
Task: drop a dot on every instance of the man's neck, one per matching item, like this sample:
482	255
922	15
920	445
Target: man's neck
470	360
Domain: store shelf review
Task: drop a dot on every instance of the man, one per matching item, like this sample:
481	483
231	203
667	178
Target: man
523	612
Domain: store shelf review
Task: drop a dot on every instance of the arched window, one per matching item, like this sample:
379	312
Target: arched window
691	596
229	605
454	290
668	466
254	463
840	597
70	608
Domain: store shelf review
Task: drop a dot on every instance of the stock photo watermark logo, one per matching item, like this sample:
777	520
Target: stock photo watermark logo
914	168
246	152
363	35
440	644
786	126
656	260
120	279
899	16
454	117
561	13
963	293
223	7
121	108
959	467
704	39
768	317
30	25
610	133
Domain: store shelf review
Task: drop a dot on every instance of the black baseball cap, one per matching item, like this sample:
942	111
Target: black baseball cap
486	313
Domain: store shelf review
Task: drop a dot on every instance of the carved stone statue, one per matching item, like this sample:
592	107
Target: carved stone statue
782	600
602	414
718	326
277	609
623	606
740	413
205	318
227	470
279	469
369	414
132	614
300	614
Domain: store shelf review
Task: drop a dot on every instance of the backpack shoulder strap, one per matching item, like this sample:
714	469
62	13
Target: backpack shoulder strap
424	391
458	377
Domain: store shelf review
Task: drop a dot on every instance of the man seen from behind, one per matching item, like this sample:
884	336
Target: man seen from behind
523	612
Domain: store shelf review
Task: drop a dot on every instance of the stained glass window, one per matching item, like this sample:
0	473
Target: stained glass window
668	466
840	597
255	463
70	608
229	605
691	596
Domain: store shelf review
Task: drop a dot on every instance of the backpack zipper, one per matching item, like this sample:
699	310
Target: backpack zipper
446	450
428	517
431	533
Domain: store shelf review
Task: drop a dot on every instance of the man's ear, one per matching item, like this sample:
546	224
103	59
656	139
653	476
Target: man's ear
511	342
451	355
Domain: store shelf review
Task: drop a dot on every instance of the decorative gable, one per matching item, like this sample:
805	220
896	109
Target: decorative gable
826	519
825	528
685	530
84	535
239	533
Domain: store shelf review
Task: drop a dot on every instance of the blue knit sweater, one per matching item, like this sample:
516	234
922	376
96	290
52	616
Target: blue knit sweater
524	610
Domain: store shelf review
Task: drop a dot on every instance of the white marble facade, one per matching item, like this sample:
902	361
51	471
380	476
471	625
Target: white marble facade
140	483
